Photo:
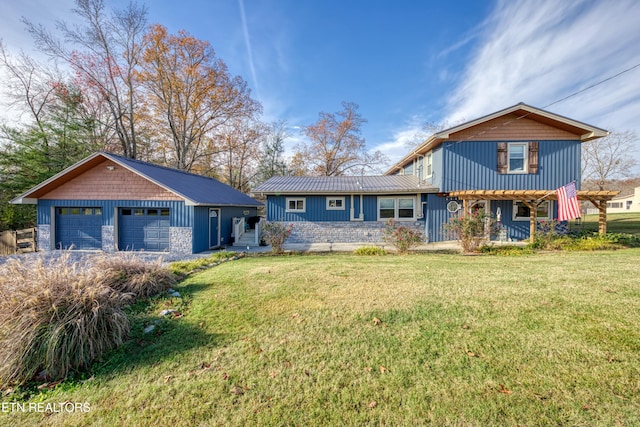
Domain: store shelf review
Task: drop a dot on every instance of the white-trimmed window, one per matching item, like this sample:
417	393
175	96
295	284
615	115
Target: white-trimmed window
428	162
517	157
335	203
398	208
521	212
296	204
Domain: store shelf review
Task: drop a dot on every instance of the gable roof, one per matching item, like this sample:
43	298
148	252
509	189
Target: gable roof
392	184
585	131
194	189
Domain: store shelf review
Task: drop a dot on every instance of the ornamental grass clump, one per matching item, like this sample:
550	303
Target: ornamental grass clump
129	273
56	317
401	237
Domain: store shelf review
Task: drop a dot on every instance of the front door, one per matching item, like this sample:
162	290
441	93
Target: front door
214	228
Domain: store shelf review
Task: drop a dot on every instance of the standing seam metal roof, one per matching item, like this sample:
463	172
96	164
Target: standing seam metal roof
342	184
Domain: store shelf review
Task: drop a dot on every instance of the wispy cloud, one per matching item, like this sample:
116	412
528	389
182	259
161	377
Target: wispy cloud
541	51
247	42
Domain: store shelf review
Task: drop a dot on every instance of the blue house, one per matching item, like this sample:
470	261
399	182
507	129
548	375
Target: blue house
110	203
508	163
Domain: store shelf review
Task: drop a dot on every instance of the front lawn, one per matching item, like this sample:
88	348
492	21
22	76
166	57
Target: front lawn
541	339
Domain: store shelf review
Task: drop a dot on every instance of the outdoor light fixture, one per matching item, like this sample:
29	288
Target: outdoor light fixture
111	168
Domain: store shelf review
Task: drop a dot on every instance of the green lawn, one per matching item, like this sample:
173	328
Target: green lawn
544	339
616	223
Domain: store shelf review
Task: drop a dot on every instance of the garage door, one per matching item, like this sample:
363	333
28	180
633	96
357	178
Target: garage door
143	229
78	228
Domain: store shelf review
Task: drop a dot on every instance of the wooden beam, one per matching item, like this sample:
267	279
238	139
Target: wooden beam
602	218
533	220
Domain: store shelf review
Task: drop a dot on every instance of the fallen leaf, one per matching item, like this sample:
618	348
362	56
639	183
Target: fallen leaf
287	363
205	366
373	404
168	378
471	354
368	368
295	315
237	390
504	390
273	374
377	321
225	376
383	369
465	326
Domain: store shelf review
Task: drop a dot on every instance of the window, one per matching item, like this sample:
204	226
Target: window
429	164
74	211
517	154
614	205
399	208
126	212
335	203
138	212
521	211
296	204
152	212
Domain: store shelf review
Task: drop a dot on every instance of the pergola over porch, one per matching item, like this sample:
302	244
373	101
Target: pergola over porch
533	198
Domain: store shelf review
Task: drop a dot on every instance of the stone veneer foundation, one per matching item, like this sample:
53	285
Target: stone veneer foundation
342	231
180	240
108	238
44	238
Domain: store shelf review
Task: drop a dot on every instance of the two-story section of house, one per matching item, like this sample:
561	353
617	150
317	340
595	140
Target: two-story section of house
507	163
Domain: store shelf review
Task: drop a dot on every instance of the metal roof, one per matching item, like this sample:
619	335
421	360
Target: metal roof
342	185
194	189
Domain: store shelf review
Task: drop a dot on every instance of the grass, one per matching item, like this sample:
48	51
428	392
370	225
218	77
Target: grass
539	339
616	223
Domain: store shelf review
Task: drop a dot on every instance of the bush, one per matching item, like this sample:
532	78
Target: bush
275	234
401	237
129	273
472	229
55	318
370	250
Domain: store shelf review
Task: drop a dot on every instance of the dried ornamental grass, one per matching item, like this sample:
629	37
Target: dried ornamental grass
55	317
132	274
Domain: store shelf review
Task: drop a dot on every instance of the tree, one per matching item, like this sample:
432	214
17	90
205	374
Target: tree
240	147
272	162
609	157
337	146
111	51
192	95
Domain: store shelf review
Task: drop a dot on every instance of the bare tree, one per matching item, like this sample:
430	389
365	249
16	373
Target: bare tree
608	158
337	146
272	162
110	51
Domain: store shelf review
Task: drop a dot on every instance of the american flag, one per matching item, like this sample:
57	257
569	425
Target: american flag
568	205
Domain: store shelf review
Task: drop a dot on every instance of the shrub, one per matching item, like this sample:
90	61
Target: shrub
275	234
55	317
370	250
401	237
130	273
472	229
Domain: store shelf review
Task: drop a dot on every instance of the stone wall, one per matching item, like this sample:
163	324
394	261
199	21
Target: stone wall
342	231
44	238
180	240
108	238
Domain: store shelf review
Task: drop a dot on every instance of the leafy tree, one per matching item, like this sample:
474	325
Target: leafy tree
336	145
610	157
239	150
191	95
104	51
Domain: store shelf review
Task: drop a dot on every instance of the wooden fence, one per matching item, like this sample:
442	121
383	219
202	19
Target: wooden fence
17	242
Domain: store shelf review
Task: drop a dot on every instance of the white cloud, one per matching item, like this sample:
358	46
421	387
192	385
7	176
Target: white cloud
541	51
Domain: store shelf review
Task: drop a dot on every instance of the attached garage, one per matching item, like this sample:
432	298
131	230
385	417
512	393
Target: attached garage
78	228
143	229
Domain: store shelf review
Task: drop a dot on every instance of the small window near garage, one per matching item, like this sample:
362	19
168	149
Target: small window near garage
335	203
126	211
138	212
521	212
152	212
296	204
87	211
74	211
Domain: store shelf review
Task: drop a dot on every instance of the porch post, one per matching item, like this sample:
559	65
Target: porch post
532	220
602	218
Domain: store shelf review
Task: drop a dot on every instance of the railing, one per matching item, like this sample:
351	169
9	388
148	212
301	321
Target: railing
238	228
20	241
258	229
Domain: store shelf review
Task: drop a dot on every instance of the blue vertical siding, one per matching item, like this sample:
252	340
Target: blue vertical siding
201	224
472	165
315	209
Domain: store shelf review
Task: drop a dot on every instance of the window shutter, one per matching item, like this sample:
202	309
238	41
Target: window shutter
533	157
502	157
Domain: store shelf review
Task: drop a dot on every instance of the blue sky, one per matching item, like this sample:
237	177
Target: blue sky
406	63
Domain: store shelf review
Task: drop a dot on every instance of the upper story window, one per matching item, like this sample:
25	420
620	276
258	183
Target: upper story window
518	157
297	204
428	162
